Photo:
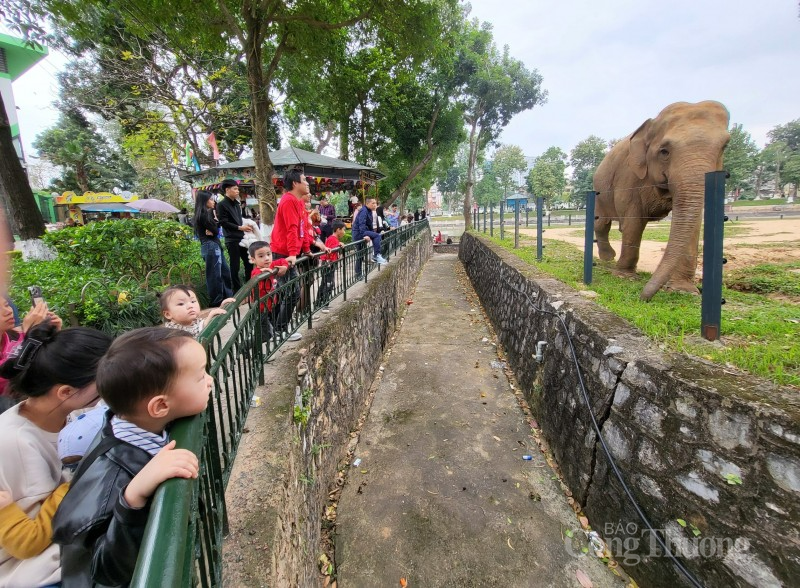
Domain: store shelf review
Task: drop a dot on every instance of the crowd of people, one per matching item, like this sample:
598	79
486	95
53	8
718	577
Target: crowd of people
84	420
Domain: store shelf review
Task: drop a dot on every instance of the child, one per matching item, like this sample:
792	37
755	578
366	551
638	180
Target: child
181	310
149	378
261	258
11	338
328	273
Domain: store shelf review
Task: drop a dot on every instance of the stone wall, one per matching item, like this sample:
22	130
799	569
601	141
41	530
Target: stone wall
717	449
337	367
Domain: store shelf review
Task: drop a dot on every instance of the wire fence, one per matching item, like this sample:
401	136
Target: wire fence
596	232
182	544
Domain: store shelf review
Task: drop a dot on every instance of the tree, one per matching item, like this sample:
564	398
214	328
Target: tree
88	162
499	87
508	160
584	159
789	134
26	219
488	190
774	156
739	159
546	178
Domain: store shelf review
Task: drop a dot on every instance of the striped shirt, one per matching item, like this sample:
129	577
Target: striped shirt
138	437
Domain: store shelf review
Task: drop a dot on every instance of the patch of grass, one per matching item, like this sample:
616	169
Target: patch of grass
769	245
768	202
768	278
659	232
759	335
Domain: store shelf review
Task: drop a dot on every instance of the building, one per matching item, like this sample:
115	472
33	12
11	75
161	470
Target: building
15	59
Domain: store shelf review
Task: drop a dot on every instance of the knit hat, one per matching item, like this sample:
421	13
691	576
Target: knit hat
77	436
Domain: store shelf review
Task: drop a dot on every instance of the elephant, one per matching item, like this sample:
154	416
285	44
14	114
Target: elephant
660	168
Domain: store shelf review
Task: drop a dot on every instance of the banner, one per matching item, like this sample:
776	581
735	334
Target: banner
212	140
95	198
189	153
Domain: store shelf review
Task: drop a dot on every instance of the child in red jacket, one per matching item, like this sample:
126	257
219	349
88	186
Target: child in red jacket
261	258
328	273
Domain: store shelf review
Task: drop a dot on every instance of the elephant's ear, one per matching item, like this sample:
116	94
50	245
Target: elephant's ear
637	155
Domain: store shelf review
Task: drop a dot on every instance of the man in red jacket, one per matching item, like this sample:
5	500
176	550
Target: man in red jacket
288	234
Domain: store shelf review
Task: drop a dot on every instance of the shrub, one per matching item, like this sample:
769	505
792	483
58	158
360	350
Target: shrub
125	247
107	274
86	297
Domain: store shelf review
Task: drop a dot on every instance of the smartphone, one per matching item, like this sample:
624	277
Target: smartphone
36	295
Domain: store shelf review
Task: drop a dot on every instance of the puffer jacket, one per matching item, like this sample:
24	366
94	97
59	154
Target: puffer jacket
98	532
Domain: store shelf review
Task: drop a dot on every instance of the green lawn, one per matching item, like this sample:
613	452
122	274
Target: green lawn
769	202
759	334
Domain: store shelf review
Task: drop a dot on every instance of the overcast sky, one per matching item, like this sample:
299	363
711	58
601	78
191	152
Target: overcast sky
608	66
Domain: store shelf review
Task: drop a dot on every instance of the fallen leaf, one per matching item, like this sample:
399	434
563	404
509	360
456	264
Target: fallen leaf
584	579
584	522
496	438
509	544
483	394
403	582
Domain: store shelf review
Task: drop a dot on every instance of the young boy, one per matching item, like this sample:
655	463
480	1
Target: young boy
181	310
328	274
149	378
261	258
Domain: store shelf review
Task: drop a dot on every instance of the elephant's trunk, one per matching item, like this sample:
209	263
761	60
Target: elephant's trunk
680	257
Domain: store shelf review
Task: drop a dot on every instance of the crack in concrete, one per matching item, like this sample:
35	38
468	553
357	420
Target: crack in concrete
600	422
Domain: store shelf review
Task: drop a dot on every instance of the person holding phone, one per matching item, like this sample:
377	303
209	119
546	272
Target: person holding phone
11	338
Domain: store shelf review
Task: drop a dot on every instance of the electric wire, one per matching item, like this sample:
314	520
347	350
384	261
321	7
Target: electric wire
689	576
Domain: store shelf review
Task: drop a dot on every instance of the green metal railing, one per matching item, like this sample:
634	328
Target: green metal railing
182	544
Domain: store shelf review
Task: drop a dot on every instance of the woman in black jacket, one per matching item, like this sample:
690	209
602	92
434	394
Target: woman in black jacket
206	227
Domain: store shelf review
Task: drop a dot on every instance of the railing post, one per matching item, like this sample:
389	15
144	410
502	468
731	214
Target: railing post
516	225
588	242
548	219
539	228
527	210
491	221
713	231
484	219
569	220
502	220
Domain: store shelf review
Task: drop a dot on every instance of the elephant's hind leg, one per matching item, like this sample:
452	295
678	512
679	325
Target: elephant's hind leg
604	249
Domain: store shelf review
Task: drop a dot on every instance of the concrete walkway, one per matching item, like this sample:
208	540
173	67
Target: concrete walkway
442	496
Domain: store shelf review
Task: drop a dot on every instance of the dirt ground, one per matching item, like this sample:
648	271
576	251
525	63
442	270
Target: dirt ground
739	250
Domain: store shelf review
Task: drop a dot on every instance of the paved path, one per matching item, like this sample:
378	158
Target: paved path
442	496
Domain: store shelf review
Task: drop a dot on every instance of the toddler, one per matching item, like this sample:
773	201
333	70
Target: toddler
328	273
261	258
181	310
148	378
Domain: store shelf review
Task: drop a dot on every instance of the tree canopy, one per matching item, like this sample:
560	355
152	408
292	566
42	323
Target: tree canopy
546	178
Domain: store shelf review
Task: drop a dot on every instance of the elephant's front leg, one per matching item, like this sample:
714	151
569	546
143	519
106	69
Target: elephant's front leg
604	249
632	228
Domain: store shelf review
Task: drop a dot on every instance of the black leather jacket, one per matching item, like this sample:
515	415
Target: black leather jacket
98	532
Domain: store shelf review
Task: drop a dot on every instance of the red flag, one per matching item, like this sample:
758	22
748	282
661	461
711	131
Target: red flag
212	140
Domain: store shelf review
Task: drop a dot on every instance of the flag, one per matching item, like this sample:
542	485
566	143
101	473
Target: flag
175	159
212	140
189	155
195	163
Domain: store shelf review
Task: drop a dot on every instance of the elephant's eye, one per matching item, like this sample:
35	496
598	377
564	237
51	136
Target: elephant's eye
663	152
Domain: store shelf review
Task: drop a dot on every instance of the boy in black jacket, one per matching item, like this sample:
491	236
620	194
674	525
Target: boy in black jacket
149	377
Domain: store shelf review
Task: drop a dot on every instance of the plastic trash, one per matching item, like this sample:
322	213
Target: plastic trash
356	462
255	402
597	543
527	457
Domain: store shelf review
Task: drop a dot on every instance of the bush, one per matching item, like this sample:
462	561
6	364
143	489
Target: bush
107	274
86	297
125	247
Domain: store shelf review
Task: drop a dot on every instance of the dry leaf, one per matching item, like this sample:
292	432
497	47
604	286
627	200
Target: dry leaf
509	544
403	582
584	522
584	579
496	438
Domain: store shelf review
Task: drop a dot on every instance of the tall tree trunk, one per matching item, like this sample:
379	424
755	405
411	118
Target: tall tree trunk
470	183
26	219
344	138
259	112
